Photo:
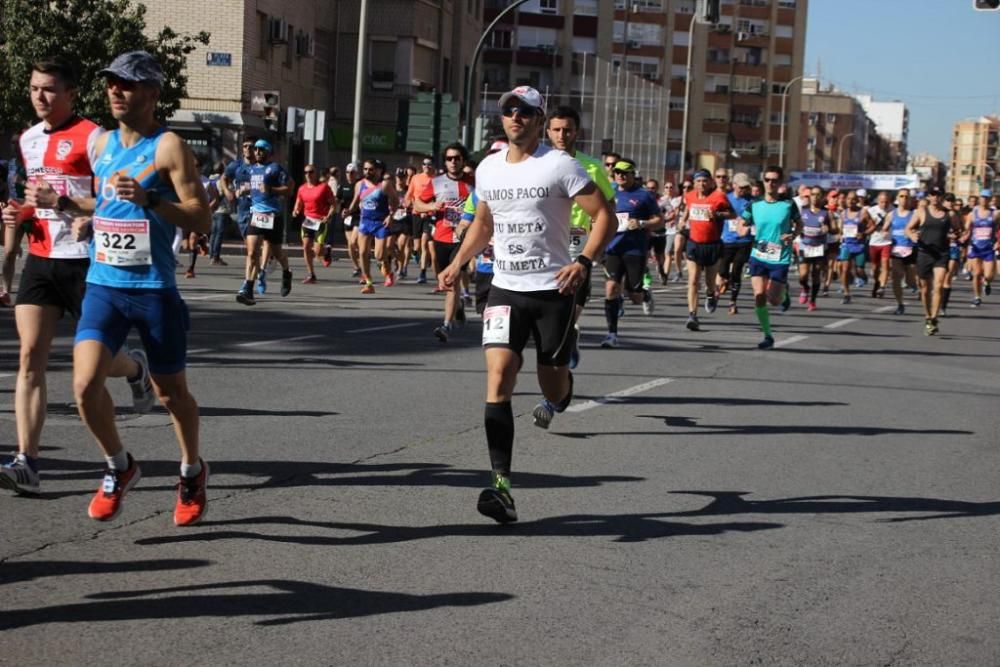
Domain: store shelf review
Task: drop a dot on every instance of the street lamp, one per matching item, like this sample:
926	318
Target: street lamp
840	150
359	85
470	78
781	139
687	96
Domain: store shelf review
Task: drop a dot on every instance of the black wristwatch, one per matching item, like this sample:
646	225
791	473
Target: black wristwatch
152	199
63	203
585	261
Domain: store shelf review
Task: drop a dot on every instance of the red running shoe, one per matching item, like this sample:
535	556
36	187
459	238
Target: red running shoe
107	502
192	504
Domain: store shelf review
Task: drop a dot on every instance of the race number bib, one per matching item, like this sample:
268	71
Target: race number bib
400	214
262	220
701	212
496	325
982	233
310	223
452	216
812	251
623	219
577	241
348	221
769	252
122	242
850	230
733	224
902	251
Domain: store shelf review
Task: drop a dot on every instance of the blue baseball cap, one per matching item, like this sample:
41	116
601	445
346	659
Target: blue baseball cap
985	192
138	66
265	144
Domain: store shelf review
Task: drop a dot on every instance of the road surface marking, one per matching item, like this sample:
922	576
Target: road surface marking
611	398
841	323
790	341
258	343
384	328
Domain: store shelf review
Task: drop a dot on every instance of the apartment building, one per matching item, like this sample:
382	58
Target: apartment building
975	156
930	170
892	122
740	67
837	134
266	56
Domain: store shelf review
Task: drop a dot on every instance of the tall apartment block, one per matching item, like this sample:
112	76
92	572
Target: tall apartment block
975	156
266	56
740	67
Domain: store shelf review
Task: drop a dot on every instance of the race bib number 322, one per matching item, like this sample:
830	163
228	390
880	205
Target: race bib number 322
122	242
496	325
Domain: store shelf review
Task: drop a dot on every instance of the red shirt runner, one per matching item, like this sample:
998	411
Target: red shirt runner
450	196
315	200
704	223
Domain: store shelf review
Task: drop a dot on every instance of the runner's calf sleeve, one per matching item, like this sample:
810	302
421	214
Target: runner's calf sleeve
945	296
611	314
764	317
499	422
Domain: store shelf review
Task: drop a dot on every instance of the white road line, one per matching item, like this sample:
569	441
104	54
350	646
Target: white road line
884	309
6	375
210	297
384	328
610	398
200	350
790	341
841	323
258	343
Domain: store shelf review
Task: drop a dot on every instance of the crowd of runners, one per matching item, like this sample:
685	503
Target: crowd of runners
515	237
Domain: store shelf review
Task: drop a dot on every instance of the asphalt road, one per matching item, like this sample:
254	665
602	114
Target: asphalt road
834	501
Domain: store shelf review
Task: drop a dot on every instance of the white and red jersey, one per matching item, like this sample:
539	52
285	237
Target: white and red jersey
61	158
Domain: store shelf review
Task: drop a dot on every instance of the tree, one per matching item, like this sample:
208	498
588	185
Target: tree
90	33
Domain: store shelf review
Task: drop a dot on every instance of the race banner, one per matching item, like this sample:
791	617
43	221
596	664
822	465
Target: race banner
875	181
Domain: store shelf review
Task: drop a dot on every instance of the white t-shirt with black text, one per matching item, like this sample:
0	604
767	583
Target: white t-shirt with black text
530	202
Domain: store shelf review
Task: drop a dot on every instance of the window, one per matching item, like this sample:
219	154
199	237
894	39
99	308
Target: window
678	71
718	56
787	4
500	39
264	41
828	141
715	113
641	33
290	47
685	6
831	118
811	143
752	27
676	105
777	119
782	60
585	7
382	64
784	31
548	6
746	118
813	117
681	38
753	56
754	3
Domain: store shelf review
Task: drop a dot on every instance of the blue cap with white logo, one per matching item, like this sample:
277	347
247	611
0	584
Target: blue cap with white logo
138	66
263	143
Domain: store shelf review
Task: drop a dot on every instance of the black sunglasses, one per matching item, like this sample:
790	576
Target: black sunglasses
452	158
772	180
525	112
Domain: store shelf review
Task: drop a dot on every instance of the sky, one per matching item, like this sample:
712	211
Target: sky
940	57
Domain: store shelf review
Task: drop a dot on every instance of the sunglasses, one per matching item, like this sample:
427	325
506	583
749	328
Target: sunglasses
310	171
772	180
452	158
621	172
524	112
721	176
609	164
428	164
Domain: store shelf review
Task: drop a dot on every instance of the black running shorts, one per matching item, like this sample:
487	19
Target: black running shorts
546	317
703	254
53	282
628	267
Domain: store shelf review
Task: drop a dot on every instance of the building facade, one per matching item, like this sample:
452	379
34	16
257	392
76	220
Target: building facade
929	169
892	122
267	56
975	156
740	67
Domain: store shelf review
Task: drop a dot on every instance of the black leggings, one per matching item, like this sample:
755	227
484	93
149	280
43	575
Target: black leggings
811	278
734	258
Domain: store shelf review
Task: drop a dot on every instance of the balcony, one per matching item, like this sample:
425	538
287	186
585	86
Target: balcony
714	126
717	67
748	11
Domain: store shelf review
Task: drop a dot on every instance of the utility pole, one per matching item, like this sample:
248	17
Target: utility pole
359	77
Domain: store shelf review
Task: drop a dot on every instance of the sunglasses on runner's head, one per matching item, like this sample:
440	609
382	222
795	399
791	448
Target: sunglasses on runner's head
524	112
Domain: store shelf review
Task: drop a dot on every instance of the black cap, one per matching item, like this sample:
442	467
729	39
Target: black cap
138	66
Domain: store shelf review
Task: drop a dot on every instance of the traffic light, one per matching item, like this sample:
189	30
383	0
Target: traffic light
986	5
709	10
272	110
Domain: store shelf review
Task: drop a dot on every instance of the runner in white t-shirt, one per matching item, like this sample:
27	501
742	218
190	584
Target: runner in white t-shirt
525	195
879	243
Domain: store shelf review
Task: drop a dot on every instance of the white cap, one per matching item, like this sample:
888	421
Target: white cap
861	192
526	94
351	167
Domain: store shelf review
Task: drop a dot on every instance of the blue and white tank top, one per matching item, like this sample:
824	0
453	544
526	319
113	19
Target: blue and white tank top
131	247
812	227
898	229
374	203
983	234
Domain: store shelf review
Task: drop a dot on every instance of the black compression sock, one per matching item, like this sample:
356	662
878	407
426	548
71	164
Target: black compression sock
611	314
945	296
499	421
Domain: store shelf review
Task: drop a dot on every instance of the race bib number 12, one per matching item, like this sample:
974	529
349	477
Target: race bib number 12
496	325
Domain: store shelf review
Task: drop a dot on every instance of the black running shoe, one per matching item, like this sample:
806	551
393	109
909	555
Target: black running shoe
246	297
497	504
286	283
766	344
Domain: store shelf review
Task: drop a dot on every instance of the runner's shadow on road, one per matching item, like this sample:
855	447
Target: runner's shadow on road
285	474
727	503
757	429
284	603
622	527
20	571
69	410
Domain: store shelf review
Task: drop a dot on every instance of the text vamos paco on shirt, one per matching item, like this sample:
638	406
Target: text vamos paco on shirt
60	157
530	202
